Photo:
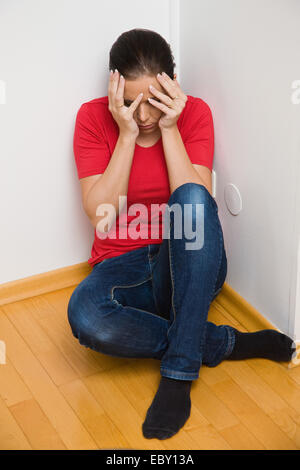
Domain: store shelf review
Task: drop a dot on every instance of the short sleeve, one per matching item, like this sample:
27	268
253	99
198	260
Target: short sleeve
199	143
91	151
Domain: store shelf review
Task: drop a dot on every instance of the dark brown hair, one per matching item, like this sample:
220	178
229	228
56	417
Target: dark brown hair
141	52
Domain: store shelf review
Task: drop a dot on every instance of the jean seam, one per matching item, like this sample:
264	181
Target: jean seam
173	284
150	258
180	374
210	299
139	309
216	293
128	287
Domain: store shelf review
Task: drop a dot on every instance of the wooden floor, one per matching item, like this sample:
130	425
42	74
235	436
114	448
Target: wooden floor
57	394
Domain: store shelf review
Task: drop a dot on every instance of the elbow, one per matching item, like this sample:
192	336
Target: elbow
102	225
103	218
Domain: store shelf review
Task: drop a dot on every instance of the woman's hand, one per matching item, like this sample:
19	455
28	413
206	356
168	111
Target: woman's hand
123	115
172	103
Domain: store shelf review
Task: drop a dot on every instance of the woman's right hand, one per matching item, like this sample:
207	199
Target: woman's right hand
122	114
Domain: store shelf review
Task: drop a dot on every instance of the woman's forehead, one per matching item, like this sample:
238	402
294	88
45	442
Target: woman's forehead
133	87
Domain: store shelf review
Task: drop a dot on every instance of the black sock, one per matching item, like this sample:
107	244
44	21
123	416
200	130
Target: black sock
169	410
267	344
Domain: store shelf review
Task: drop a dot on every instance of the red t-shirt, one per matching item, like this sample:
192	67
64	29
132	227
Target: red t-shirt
96	134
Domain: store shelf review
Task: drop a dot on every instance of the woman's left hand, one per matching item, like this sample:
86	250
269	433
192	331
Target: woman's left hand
172	103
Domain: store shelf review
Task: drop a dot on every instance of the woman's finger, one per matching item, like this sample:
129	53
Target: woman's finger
135	103
120	92
161	106
162	96
114	84
109	87
169	85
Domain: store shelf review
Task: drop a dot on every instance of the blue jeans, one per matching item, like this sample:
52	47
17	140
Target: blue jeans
152	302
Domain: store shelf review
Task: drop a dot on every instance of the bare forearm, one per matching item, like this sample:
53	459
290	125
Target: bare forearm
113	182
180	167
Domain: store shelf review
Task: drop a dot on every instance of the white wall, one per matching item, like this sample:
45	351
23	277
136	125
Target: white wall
241	57
54	57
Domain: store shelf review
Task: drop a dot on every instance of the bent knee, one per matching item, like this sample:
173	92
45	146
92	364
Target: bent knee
190	193
79	309
77	297
88	322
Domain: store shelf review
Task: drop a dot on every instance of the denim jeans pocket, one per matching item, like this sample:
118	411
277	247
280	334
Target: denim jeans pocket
138	295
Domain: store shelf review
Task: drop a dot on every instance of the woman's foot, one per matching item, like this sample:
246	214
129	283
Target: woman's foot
267	344
169	410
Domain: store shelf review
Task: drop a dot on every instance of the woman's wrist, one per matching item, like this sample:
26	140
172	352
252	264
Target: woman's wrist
169	130
127	138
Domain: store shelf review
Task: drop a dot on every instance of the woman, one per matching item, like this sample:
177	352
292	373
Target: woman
149	296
